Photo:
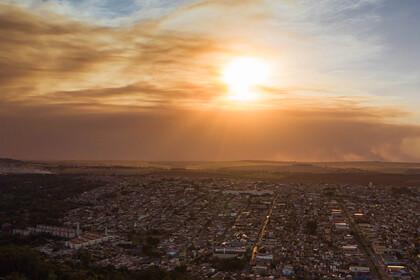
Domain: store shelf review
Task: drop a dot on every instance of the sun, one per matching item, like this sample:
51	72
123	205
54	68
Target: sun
243	75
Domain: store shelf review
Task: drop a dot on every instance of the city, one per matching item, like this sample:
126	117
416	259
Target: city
233	228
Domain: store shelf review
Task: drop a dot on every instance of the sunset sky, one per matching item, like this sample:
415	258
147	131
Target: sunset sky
150	80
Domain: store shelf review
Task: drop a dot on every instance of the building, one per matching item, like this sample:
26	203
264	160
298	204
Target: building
86	239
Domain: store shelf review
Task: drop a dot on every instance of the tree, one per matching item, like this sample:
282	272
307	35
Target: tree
15	276
85	258
311	227
235	264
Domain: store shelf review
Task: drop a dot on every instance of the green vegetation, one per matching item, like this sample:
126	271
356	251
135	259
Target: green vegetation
229	265
311	227
20	262
147	241
39	199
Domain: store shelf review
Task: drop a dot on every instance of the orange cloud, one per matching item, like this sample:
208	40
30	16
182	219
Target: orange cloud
76	91
46	60
169	134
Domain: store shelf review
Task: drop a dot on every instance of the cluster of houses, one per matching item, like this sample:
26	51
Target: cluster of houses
274	231
389	222
306	236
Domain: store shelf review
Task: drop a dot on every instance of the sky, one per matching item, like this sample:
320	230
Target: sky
143	80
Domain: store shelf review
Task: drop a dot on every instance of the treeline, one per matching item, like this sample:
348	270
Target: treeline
30	199
230	265
20	263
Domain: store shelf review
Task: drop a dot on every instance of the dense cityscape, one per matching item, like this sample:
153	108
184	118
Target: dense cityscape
233	228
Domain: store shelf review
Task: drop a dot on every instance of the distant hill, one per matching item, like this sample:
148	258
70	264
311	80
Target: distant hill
307	167
275	168
13	166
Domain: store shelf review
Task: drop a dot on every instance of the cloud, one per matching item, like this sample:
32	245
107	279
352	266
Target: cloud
44	58
122	12
151	89
155	55
411	147
169	134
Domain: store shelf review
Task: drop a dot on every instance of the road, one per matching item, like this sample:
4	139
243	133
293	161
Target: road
374	263
262	232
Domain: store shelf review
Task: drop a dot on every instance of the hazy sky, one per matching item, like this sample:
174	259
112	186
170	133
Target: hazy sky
142	79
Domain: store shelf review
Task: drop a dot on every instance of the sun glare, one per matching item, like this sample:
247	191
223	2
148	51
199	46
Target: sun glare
243	76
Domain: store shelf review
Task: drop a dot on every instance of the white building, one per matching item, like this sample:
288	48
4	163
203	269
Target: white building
87	239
